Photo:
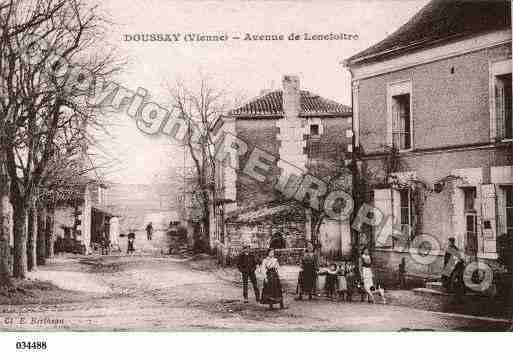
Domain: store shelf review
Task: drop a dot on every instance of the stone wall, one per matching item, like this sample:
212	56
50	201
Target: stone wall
389	260
288	256
263	133
259	133
260	234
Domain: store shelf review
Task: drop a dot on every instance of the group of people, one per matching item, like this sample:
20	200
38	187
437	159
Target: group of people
272	293
341	282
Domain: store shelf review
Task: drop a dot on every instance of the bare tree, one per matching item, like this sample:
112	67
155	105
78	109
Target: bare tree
11	26
201	105
42	101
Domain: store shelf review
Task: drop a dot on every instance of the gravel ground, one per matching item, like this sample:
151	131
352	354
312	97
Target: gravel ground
151	293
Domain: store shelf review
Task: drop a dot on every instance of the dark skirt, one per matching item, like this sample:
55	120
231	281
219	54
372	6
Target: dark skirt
308	277
272	293
308	280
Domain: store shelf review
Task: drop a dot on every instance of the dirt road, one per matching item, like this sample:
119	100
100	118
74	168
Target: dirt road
164	293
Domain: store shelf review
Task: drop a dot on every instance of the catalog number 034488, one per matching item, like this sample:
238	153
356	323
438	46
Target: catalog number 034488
31	345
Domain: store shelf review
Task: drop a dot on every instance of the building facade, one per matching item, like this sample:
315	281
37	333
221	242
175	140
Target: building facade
300	131
433	131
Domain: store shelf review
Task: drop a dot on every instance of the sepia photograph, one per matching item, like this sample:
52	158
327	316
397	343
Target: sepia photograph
255	166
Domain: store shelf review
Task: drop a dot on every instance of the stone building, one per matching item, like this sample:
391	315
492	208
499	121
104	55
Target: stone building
433	130
297	130
80	213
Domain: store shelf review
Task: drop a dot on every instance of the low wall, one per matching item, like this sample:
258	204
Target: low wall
228	255
259	235
387	261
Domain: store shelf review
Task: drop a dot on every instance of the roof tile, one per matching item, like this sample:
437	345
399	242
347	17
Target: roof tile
271	104
441	20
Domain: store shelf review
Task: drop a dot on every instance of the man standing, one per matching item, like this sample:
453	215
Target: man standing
452	250
149	231
247	264
277	241
454	266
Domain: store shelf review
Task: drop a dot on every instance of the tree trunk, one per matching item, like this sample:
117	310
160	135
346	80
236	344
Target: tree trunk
32	237
20	239
206	231
50	231
5	232
316	222
41	237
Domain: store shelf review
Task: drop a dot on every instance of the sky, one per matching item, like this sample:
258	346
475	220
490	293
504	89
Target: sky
246	67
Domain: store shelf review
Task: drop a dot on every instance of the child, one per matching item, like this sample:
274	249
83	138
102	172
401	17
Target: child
342	284
331	280
131	239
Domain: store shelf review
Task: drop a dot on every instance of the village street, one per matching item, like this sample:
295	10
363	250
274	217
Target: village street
148	291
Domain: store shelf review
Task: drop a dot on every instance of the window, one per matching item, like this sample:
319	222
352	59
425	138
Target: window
503	106
401	126
406	210
501	125
314	130
399	115
470	199
314	148
509	210
470	215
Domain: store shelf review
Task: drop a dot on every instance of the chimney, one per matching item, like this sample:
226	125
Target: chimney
291	95
290	126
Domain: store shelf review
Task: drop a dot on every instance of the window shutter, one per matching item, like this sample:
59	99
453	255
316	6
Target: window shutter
501	212
415	218
383	202
395	124
396	212
458	200
390	122
488	218
396	206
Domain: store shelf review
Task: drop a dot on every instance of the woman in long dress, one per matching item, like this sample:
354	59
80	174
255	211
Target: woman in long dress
366	273
271	293
308	275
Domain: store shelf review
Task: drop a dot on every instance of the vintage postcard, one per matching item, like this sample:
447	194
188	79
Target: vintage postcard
255	166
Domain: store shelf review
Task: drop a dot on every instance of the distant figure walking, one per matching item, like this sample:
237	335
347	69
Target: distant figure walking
131	239
149	231
272	292
106	245
247	264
